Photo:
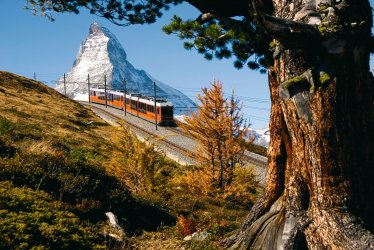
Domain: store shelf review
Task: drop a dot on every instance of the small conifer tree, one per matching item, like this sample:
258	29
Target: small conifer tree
218	126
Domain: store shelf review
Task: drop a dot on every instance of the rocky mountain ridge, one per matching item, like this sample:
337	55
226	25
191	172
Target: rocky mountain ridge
101	54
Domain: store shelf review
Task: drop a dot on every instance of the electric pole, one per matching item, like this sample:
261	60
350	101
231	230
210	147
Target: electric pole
88	85
125	97
106	101
64	84
154	93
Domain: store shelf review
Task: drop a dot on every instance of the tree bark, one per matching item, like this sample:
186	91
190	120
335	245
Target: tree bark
319	192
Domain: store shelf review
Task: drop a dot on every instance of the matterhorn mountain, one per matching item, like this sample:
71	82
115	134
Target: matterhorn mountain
101	55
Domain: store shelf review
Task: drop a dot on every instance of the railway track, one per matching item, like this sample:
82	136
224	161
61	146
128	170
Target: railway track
249	157
146	133
178	130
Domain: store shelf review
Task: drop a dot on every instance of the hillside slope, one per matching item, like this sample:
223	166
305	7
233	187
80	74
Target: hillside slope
53	154
46	121
62	168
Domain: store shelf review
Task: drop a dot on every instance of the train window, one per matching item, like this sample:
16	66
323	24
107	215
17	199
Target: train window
133	104
142	107
101	95
158	110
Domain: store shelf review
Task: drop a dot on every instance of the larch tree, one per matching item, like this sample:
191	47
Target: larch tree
218	127
237	133
319	192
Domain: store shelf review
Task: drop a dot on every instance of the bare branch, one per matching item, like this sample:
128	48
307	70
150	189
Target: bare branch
292	35
205	17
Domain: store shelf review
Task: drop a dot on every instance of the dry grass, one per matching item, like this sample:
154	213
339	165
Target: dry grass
47	121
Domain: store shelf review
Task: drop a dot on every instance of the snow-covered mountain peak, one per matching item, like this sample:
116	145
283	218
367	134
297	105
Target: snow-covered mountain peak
95	29
101	55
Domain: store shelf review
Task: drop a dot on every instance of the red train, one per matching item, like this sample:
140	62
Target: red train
136	104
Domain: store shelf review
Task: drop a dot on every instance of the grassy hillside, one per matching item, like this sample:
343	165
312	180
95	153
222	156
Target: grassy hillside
39	119
56	150
62	168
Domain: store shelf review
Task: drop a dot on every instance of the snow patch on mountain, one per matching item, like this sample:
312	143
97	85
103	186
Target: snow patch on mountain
100	55
261	136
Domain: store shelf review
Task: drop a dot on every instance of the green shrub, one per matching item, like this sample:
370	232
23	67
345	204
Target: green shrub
243	188
5	125
142	168
31	219
86	187
68	179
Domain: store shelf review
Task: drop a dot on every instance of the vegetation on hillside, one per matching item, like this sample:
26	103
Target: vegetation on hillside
33	219
53	145
62	168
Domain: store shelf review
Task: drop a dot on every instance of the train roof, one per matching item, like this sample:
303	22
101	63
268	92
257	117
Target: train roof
138	97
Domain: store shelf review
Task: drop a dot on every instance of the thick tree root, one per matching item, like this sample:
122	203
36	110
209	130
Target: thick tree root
329	229
254	234
338	230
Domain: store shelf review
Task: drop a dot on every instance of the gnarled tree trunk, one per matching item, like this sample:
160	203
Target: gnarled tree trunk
319	192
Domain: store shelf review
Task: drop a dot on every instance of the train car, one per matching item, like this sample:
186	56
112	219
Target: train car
136	104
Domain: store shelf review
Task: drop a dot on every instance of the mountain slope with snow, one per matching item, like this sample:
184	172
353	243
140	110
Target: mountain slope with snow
101	54
261	136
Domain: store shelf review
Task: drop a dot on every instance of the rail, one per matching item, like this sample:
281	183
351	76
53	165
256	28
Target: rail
167	143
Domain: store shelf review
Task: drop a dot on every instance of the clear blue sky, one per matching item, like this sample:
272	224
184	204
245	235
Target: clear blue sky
31	44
